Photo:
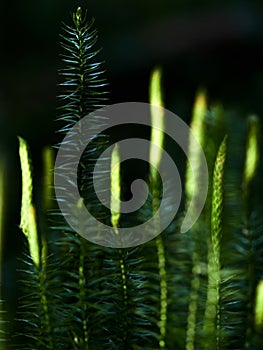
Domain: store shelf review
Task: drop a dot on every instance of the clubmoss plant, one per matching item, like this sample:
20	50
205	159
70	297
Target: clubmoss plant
212	311
155	156
196	290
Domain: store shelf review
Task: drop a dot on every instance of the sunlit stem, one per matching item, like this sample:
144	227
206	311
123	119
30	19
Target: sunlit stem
157	122
28	222
252	151
193	178
115	177
198	128
157	139
259	307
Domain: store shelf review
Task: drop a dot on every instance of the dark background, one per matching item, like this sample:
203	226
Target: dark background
214	44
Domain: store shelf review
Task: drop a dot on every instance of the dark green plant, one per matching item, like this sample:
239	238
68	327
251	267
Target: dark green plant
196	290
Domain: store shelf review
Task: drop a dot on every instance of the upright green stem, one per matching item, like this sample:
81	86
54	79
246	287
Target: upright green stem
212	312
82	298
163	291
28	216
115	207
48	186
125	296
193	303
192	185
37	249
157	138
49	342
162	273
